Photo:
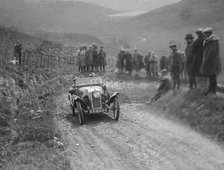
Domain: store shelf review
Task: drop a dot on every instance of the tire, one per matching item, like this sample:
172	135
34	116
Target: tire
116	109
73	110
80	113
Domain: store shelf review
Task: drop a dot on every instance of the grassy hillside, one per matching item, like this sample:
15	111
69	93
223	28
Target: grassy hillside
58	16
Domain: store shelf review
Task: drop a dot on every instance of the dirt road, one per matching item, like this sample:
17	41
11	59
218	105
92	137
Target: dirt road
140	140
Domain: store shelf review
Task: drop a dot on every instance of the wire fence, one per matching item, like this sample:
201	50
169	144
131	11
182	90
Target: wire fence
34	59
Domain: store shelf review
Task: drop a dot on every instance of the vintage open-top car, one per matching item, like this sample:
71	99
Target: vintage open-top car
89	95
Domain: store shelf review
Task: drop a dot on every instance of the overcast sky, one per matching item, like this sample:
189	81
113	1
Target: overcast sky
126	5
132	5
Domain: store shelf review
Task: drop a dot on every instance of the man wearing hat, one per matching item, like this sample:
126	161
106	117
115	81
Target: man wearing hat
175	65
211	64
165	85
128	62
89	59
102	59
190	61
197	52
147	63
120	60
137	62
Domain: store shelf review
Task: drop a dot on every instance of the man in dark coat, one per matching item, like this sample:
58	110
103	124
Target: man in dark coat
96	61
102	59
211	64
175	65
120	60
18	52
163	63
190	61
137	62
197	50
89	59
128	62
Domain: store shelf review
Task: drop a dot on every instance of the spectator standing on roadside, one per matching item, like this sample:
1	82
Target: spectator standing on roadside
136	62
96	60
163	63
190	61
147	63
89	59
211	64
154	67
120	61
175	65
197	50
128	62
18	52
102	59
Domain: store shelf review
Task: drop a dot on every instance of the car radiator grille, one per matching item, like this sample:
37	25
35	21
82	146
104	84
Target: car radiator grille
96	102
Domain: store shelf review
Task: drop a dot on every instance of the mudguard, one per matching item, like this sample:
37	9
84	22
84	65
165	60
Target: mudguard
115	94
74	98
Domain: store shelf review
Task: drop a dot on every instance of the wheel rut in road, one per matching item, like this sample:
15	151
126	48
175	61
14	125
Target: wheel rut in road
140	140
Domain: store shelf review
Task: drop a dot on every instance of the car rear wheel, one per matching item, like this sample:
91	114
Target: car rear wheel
116	109
80	113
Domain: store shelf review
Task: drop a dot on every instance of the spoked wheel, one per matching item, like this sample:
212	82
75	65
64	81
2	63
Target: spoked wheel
80	113
73	110
116	109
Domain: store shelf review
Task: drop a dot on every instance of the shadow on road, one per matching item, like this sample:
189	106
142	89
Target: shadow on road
90	120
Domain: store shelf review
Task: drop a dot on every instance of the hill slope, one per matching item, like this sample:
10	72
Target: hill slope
173	22
58	16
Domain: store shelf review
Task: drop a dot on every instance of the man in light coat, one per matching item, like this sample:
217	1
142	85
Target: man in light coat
211	64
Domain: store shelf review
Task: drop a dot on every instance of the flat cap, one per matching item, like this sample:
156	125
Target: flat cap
207	30
172	44
199	31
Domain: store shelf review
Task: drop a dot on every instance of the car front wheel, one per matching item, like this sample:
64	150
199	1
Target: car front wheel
80	113
116	109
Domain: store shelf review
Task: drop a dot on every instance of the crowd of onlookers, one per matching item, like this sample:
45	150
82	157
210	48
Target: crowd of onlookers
90	59
198	63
